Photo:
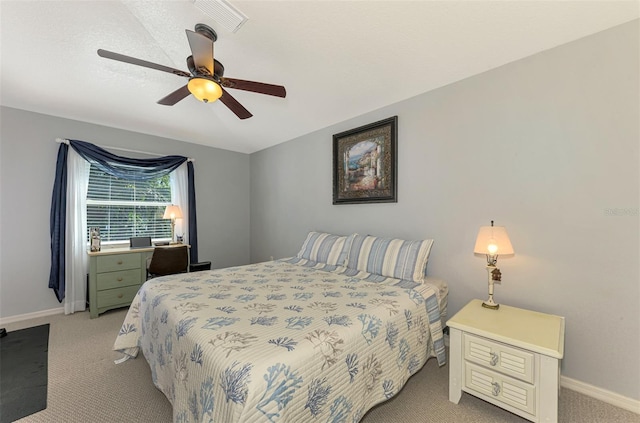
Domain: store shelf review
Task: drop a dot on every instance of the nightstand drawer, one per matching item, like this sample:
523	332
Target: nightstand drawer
111	280
111	263
500	388
117	296
499	357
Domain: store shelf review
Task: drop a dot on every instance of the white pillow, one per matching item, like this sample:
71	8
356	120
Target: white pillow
324	248
395	258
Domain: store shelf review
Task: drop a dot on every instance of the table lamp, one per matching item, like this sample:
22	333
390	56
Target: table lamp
172	212
491	241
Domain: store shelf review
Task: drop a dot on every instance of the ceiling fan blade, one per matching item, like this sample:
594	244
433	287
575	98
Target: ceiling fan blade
175	96
256	87
128	59
202	50
235	107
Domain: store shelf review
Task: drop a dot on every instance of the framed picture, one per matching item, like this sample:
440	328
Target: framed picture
94	233
365	164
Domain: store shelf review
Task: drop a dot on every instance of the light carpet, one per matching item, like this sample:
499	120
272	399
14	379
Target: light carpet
85	386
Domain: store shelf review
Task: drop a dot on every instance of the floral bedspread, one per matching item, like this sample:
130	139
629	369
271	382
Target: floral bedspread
280	341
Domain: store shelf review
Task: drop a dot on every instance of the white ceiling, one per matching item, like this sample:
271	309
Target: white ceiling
337	59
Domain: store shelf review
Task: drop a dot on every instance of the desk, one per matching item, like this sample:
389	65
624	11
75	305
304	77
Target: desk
115	275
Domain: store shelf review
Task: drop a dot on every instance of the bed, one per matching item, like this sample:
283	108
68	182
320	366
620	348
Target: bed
315	337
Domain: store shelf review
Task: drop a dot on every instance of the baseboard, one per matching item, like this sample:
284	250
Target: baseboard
27	316
601	394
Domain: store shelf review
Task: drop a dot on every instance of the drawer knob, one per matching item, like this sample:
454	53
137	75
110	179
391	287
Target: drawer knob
494	359
120	279
119	261
120	295
496	389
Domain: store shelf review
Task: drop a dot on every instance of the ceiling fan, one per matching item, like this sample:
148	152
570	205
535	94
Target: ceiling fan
206	80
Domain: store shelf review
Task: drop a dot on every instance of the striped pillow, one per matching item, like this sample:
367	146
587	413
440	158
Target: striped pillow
395	258
324	248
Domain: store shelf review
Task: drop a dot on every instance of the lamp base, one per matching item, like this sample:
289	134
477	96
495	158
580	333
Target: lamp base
489	303
493	306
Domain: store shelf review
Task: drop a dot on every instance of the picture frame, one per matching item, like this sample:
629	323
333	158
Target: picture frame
365	164
94	236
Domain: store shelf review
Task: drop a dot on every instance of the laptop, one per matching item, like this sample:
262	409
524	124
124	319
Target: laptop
140	242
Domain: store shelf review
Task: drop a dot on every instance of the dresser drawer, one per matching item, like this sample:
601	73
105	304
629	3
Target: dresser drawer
502	358
117	296
114	262
501	388
119	279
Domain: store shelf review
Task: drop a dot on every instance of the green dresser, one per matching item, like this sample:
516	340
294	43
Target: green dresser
115	275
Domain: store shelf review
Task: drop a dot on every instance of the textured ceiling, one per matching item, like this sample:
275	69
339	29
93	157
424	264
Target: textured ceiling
337	59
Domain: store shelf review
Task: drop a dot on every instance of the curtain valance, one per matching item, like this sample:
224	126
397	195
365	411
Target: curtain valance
126	167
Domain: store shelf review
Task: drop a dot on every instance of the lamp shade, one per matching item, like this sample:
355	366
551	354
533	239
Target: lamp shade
493	240
204	89
172	212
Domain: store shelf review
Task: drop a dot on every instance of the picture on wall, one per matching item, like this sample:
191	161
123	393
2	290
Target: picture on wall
365	164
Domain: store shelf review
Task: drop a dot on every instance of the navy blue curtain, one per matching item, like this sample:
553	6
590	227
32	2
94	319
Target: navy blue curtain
120	167
57	224
126	167
193	227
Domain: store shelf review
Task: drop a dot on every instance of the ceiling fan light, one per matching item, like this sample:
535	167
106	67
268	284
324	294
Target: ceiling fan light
205	90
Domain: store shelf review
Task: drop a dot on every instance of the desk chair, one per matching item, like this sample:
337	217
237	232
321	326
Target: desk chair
168	261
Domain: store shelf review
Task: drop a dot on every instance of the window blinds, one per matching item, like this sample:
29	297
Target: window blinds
124	208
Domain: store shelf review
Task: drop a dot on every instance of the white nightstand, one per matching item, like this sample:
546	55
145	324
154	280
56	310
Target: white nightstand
509	357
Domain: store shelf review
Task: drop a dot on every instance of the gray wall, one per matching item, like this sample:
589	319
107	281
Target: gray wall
546	146
27	157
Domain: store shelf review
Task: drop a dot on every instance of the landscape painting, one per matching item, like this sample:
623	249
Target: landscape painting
364	164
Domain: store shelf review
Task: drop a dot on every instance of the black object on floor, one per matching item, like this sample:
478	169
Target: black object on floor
23	372
197	267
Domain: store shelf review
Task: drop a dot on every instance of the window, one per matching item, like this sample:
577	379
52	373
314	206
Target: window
126	208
